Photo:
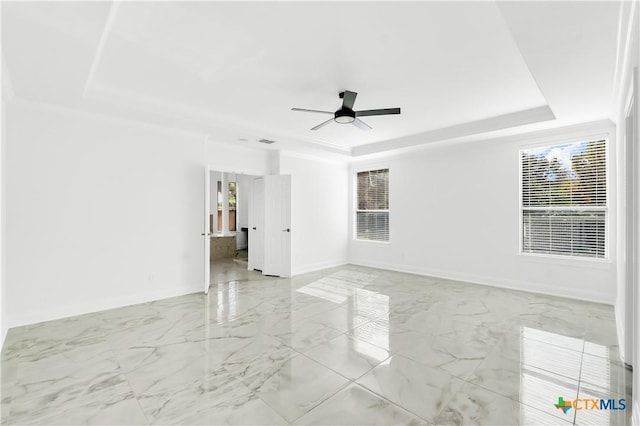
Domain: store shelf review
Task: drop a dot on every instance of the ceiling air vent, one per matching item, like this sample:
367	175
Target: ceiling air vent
267	141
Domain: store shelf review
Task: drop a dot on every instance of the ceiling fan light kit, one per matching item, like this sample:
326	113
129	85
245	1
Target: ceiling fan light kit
346	114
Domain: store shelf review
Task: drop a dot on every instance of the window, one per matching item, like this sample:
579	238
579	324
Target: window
372	211
564	199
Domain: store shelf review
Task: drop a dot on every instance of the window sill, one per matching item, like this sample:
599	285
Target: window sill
567	260
383	243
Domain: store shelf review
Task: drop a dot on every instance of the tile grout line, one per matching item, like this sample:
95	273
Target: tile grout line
575	413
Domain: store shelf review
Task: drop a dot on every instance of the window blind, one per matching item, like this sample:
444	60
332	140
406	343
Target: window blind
372	213
564	199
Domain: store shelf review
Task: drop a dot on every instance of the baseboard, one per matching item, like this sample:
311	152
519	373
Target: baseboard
530	287
305	269
101	305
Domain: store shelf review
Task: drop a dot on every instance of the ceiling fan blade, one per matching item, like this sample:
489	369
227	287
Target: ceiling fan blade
348	99
312	110
322	124
383	111
361	124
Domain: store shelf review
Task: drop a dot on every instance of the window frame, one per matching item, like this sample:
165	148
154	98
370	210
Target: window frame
354	200
562	258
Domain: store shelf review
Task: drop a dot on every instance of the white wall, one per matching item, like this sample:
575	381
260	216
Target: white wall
4	327
103	212
3	310
454	213
7	96
319	221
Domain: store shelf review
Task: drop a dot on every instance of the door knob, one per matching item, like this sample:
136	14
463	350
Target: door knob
286	230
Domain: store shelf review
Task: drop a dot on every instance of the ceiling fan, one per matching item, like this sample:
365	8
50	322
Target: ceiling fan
346	114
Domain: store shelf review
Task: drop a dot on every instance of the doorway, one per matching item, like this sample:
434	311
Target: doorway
228	224
247	226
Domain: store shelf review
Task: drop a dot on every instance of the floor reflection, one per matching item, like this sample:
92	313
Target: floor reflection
226	301
550	371
337	287
362	305
372	310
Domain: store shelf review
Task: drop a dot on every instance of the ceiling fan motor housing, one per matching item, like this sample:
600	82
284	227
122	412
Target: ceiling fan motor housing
344	116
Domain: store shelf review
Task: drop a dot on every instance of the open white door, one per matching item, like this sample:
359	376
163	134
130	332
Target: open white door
206	235
256	225
277	225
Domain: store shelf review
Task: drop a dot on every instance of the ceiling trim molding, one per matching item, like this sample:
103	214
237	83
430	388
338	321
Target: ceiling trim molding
310	157
599	128
515	119
624	54
61	109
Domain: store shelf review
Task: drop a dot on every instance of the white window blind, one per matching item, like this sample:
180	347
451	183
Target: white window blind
372	212
564	199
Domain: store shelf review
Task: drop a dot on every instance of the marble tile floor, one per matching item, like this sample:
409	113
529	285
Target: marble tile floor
231	269
348	345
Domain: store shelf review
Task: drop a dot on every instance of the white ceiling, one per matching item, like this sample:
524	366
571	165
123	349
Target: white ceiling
234	69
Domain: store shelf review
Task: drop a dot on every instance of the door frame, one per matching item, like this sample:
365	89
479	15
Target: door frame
207	204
